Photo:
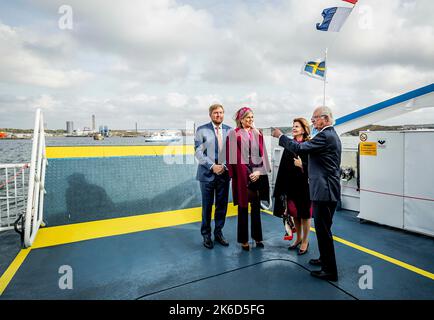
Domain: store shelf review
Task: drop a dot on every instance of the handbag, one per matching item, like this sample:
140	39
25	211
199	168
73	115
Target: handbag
258	184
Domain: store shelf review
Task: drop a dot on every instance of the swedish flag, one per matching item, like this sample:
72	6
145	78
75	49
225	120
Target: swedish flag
315	69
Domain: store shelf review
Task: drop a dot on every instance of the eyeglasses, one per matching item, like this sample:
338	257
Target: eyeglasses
316	117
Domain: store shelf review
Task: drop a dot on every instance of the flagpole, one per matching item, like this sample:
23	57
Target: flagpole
325	76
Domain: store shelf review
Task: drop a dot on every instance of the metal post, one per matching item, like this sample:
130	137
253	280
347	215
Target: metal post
16	190
35	200
7	193
325	76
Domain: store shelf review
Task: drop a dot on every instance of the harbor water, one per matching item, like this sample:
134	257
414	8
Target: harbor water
19	150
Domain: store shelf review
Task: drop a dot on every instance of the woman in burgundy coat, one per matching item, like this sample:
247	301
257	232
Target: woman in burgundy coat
248	165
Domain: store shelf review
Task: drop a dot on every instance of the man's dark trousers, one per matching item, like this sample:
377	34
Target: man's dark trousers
323	214
218	188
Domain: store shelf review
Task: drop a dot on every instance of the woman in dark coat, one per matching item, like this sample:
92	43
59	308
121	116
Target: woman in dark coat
247	163
292	182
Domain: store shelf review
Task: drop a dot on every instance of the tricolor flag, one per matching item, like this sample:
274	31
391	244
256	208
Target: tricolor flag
314	69
334	18
351	1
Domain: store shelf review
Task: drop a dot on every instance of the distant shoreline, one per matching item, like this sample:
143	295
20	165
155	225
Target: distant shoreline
25	134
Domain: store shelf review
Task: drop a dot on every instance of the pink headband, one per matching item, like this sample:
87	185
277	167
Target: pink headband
242	112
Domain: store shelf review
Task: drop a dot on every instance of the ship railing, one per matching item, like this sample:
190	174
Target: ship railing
35	199
13	193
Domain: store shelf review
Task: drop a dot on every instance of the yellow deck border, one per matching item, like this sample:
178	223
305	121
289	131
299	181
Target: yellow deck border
394	261
54	236
65	234
381	256
12	269
70	233
117	151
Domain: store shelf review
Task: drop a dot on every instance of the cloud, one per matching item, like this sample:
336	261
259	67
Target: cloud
177	100
25	62
160	63
151	40
46	102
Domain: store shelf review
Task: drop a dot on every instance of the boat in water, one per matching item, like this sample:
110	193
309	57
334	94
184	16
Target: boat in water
98	136
165	137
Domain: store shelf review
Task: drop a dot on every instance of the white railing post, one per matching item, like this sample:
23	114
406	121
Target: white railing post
34	212
12	197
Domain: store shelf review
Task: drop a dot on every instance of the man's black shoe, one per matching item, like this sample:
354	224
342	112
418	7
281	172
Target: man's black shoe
260	245
220	239
315	262
324	275
207	242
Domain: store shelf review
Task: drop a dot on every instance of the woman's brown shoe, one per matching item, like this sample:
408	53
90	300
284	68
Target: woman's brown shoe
245	247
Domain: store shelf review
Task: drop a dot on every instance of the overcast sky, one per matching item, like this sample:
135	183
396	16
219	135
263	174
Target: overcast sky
161	63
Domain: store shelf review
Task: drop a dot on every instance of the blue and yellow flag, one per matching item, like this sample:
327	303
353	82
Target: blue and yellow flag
315	69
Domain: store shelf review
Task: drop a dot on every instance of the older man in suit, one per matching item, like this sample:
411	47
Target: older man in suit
210	151
324	152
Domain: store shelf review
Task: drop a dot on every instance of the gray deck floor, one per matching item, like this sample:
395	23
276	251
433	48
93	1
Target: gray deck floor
171	263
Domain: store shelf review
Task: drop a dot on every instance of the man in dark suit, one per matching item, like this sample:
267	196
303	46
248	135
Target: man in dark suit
324	152
210	151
